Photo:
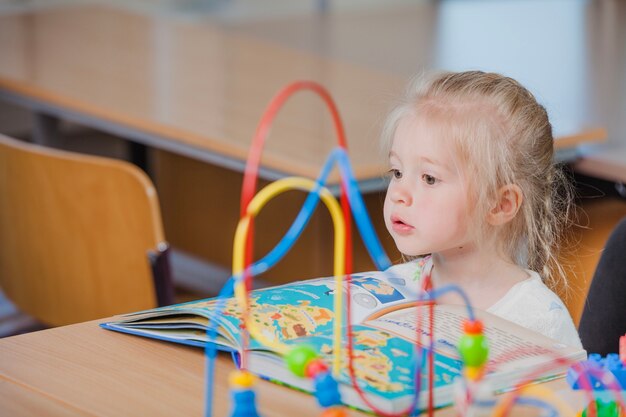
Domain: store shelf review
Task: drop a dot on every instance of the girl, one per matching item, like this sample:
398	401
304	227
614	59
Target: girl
474	187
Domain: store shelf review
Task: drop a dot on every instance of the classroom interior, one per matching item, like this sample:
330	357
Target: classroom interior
177	88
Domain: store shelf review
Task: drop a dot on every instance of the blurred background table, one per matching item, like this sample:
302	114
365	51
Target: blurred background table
190	80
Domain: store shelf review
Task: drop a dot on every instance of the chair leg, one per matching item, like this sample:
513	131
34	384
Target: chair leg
46	130
162	275
140	155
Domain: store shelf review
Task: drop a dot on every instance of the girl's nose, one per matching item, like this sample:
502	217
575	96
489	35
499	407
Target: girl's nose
399	194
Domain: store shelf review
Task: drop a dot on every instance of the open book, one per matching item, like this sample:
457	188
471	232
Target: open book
384	315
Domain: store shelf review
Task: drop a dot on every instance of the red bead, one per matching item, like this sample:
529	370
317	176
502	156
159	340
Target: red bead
298	358
315	367
473	327
334	412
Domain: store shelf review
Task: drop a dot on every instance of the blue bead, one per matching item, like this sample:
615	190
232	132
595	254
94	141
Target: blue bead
327	390
244	403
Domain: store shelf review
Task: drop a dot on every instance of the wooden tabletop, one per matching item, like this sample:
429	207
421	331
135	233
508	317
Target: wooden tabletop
84	370
196	82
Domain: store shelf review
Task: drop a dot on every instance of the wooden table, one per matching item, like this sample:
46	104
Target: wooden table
83	370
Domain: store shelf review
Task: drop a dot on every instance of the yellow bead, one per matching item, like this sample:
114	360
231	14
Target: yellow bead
473	373
241	379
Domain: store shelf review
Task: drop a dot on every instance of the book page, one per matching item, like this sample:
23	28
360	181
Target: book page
287	311
505	339
383	363
375	293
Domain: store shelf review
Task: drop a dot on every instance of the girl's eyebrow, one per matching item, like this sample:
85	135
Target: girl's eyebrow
431	161
426	159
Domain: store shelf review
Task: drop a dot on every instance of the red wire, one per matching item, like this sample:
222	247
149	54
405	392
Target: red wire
351	371
512	398
249	189
585	382
252	169
431	358
426	286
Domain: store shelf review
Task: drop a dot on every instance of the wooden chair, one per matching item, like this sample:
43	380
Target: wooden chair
81	237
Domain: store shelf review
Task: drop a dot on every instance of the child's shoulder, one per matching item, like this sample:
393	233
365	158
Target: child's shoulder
531	292
533	305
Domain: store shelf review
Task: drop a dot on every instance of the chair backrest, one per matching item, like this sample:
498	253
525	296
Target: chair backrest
603	319
75	233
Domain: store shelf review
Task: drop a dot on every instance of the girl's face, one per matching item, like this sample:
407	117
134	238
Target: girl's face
426	207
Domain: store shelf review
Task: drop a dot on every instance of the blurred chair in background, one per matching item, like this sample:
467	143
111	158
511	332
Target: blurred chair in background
603	319
81	237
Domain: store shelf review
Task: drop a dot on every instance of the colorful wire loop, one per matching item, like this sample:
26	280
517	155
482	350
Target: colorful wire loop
241	293
302	360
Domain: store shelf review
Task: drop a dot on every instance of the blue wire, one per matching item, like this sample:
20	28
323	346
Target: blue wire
359	212
433	295
438	292
271	259
298	225
419	359
362	219
535	402
209	373
227	291
372	243
210	349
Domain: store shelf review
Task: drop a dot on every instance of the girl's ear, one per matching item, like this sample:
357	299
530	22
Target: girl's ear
508	203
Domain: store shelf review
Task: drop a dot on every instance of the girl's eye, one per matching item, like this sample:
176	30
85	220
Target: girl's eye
429	179
396	173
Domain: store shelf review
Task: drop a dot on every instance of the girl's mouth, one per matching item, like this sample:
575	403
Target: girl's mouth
399	226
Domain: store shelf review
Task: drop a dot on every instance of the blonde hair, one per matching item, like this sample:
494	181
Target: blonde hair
502	136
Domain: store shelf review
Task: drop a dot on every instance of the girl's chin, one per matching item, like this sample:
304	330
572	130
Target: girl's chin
411	250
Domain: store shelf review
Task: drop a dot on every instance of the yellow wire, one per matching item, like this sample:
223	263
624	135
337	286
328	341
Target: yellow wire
537	391
259	200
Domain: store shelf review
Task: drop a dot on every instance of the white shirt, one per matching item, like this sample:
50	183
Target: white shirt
529	303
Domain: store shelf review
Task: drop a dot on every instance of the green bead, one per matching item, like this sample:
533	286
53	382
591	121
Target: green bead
473	349
298	358
604	409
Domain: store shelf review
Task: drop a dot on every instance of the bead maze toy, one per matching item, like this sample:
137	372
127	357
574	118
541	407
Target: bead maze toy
606	378
473	396
612	364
